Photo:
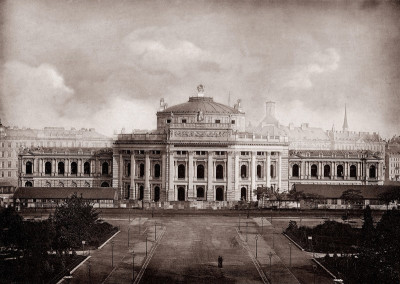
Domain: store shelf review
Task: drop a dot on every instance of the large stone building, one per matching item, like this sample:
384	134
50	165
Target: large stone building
393	159
200	151
328	157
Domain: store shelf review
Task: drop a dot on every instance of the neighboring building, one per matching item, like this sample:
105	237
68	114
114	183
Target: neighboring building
328	157
200	151
13	140
65	167
336	167
393	159
6	193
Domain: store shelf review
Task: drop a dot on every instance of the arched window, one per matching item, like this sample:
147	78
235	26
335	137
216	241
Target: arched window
61	168
28	168
200	172
327	171
141	192
219	195
181	171
272	171
105	184
157	170
353	171
259	175
219	172
156	194
243	193
339	171
372	171
127	191
141	170
243	171
181	194
200	192
104	168
314	170
74	168
128	169
295	170
47	168
28	184
86	168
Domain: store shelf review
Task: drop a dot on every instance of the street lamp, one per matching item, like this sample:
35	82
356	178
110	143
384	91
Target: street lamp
315	269
155	231
290	254
133	265
273	238
112	253
248	209
239	222
139	224
270	264
247	229
256	237
262	225
83	247
129	229
89	265
146	244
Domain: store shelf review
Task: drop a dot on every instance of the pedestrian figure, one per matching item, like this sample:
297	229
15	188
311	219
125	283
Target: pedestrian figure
220	261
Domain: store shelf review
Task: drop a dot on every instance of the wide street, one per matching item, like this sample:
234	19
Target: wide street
188	247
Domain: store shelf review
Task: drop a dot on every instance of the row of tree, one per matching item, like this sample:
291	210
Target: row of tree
38	250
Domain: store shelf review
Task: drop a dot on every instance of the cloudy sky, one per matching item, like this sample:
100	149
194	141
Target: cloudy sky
106	64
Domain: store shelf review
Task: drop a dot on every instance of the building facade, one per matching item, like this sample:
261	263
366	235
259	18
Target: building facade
393	159
13	140
200	151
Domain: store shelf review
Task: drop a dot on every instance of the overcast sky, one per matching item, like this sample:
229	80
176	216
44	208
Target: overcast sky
106	64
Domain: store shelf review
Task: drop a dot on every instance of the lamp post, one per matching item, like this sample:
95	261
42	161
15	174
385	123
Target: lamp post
290	254
129	229
112	253
248	209
139	224
89	265
270	264
129	215
273	238
239	222
256	237
262	225
83	247
133	265
247	229
146	244
155	231
315	269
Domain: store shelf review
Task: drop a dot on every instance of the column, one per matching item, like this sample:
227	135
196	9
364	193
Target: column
319	170
253	175
190	175
163	176
229	192
92	168
210	190
268	169
40	167
171	190
237	176
53	167
346	170
121	169
302	169
132	187
147	194
279	170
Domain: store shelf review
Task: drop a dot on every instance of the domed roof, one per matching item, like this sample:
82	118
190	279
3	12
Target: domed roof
204	104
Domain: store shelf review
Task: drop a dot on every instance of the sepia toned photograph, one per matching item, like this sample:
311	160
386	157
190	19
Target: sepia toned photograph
208	141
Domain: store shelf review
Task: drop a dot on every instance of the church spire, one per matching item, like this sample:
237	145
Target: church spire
345	125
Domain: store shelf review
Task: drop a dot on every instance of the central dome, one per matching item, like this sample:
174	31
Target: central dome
203	104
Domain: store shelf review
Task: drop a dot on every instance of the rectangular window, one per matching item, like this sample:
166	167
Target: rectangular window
168	121
2	174
244	153
9	174
183	120
156	152
217	121
9	164
260	153
200	153
233	122
220	153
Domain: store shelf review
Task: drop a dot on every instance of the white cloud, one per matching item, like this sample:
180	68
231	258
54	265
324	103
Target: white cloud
33	95
322	62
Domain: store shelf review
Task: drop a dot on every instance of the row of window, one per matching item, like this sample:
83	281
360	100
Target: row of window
61	168
3	174
327	171
73	184
8	164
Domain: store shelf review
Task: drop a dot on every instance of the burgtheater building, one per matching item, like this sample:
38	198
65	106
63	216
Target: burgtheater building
199	151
